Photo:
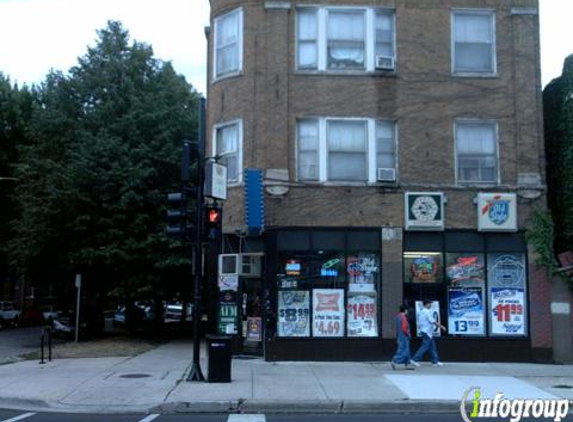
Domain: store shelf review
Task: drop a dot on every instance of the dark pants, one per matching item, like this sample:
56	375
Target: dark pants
428	345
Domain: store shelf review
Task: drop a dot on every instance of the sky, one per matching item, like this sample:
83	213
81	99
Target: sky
39	35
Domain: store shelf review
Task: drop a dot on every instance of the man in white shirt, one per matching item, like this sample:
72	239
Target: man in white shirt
426	328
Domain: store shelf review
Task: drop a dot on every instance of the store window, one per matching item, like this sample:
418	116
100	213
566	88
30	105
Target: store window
329	293
481	288
507	294
466	284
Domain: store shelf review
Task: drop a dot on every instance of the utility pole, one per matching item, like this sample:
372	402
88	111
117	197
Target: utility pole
196	374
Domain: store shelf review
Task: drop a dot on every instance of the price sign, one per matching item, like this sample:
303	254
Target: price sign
361	311
466	311
294	314
328	312
507	311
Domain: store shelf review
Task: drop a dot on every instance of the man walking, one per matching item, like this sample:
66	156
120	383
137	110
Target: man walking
426	328
403	337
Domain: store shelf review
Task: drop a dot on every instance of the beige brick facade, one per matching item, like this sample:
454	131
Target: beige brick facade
421	95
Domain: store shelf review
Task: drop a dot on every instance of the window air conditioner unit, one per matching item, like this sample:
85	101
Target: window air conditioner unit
386	175
384	62
244	265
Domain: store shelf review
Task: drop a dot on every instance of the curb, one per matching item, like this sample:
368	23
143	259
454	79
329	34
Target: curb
310	407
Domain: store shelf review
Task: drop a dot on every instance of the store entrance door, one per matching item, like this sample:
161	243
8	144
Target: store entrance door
251	315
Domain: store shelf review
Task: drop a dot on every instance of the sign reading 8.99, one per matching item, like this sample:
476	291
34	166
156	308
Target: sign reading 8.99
294	313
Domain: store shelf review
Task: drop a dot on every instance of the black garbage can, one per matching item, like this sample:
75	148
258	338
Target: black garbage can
219	359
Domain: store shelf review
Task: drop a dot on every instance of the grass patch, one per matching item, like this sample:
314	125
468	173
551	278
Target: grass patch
100	348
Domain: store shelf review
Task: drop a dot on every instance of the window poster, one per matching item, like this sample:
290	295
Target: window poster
507	294
228	313
465	269
423	267
361	311
466	312
328	312
294	313
254	328
507	311
435	310
362	272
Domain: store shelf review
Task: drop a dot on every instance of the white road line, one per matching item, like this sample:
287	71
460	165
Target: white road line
147	418
246	418
19	418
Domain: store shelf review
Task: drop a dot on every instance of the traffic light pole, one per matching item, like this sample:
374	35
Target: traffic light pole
196	374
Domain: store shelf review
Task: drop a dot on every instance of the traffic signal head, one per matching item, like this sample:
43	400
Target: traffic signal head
177	224
213	221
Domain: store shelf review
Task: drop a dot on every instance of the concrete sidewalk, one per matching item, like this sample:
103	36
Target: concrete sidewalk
155	382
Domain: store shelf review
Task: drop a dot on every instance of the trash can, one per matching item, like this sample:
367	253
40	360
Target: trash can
219	359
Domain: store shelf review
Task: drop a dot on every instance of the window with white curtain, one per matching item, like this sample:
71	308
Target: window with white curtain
344	149
227	148
347	149
308	150
474	42
228	43
345	40
339	38
476	150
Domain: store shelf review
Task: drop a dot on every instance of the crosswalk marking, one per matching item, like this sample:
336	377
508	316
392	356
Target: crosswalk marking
246	418
19	418
148	418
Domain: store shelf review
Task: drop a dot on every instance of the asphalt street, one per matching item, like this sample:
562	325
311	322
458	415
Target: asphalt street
15	416
17	341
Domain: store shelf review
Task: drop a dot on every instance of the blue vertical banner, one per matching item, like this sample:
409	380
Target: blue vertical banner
254	201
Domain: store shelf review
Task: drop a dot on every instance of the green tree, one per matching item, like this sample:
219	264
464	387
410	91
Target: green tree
15	106
558	122
104	150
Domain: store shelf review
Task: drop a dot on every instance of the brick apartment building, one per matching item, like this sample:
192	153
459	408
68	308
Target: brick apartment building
401	152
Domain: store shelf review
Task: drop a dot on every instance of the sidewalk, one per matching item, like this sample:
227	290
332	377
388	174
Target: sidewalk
155	382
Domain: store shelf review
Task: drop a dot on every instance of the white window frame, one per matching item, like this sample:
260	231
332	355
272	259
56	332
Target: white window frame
484	12
216	23
371	152
322	38
497	180
216	128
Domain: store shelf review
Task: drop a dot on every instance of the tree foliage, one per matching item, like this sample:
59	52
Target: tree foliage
558	121
104	148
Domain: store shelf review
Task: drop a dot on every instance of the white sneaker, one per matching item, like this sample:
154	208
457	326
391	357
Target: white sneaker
438	364
416	364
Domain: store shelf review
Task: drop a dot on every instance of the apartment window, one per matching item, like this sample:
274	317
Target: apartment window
345	44
345	39
308	150
228	44
227	148
385	145
476	149
346	143
307	39
473	42
346	150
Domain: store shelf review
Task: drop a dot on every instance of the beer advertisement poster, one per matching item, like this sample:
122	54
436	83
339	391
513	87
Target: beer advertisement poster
466	312
328	313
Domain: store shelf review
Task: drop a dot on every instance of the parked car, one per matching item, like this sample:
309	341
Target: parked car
8	314
49	313
173	311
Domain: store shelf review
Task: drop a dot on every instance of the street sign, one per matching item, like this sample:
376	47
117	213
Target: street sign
215	180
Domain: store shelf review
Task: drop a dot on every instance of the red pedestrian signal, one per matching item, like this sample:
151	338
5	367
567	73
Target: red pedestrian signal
214	216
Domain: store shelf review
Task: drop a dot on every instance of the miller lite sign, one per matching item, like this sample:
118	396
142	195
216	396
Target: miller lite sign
497	212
